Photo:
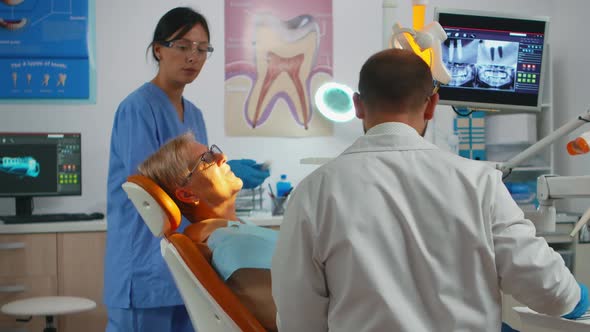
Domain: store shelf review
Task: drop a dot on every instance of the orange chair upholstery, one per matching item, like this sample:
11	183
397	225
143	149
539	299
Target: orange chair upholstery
210	303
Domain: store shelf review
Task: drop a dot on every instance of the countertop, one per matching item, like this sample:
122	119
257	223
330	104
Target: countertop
101	225
55	227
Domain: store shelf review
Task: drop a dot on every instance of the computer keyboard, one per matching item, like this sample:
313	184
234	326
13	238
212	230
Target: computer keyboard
57	217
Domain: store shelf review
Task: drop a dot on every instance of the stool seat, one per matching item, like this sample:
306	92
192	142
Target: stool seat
48	306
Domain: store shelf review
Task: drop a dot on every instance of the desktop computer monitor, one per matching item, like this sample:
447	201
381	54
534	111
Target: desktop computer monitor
496	60
39	164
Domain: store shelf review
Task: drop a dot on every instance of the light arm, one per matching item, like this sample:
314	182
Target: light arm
389	7
545	142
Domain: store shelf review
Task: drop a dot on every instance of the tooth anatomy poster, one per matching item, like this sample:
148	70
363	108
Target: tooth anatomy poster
44	49
277	54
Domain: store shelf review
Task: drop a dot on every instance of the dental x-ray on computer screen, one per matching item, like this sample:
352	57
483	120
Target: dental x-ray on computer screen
39	164
496	61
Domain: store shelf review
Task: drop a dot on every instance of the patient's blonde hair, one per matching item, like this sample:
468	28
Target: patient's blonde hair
170	165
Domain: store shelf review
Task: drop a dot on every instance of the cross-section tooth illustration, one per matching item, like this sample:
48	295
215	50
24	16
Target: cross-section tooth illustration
14	79
12	24
45	80
29	77
21	166
285	52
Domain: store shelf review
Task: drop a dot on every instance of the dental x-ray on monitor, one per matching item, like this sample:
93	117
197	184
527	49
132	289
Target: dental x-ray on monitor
39	164
496	61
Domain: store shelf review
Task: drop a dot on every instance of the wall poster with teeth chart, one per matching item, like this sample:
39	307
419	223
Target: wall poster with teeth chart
46	49
277	54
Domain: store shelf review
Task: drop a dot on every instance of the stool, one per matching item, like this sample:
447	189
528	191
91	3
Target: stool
47	306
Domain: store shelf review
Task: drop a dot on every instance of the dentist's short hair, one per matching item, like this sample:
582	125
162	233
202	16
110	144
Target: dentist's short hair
397	78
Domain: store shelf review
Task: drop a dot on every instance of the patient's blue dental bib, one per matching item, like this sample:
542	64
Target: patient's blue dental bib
239	246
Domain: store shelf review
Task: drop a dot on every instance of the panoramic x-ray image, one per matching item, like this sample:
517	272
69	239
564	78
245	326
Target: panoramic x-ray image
496	64
478	63
460	56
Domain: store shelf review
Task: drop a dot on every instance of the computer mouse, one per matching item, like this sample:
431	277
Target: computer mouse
97	215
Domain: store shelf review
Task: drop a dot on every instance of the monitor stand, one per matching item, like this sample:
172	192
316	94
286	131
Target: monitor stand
24	206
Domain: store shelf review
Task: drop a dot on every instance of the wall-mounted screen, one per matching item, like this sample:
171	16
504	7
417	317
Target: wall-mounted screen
496	61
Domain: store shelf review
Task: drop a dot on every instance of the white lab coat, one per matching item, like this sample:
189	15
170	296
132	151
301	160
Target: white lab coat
397	235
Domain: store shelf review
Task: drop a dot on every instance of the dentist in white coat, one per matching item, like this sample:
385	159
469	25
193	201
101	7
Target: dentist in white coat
397	235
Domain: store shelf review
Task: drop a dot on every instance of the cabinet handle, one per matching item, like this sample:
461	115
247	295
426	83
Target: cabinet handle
12	289
12	245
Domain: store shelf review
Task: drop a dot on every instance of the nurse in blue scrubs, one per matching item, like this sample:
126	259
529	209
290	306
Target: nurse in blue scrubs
139	291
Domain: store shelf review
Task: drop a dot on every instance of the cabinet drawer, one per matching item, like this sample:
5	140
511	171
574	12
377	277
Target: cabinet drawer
35	325
28	255
12	289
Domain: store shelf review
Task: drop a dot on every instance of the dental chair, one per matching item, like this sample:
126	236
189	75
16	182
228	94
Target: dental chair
211	305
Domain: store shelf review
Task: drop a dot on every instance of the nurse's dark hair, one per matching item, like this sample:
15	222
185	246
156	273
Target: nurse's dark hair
395	79
180	19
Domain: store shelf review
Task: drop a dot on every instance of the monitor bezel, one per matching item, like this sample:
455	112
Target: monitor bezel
493	105
41	194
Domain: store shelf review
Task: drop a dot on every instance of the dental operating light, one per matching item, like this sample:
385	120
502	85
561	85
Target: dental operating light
426	43
334	100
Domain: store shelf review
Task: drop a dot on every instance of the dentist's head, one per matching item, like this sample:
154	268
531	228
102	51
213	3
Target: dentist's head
395	86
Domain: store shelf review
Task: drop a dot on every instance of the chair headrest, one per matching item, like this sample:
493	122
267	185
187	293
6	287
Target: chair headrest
158	210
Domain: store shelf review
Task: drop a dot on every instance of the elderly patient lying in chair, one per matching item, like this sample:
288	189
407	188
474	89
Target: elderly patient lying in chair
203	186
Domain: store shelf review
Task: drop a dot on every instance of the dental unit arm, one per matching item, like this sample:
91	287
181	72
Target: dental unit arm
552	187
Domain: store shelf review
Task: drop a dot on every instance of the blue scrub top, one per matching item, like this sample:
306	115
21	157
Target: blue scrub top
136	275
